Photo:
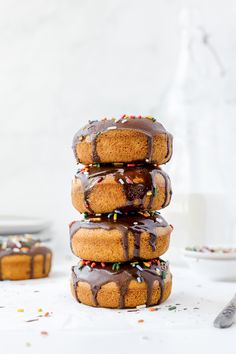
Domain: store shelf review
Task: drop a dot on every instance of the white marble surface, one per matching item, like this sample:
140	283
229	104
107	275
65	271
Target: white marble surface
73	328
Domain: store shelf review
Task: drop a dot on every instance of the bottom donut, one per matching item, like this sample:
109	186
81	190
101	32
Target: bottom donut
121	285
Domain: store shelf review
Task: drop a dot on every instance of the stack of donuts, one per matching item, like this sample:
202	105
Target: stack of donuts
120	188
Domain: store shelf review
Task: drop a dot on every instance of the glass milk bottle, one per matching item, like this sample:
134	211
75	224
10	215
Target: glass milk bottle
193	110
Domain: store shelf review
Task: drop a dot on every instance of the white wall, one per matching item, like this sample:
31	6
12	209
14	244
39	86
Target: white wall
64	62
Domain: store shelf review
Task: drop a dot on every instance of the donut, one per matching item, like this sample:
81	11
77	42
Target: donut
120	237
121	285
22	257
126	139
107	188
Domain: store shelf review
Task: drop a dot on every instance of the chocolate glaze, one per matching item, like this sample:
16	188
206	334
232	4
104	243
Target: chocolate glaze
98	276
133	222
169	152
14	246
147	126
136	182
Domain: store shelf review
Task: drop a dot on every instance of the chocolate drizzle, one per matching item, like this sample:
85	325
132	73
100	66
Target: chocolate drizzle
23	245
150	149
134	223
167	188
98	276
146	125
136	181
169	140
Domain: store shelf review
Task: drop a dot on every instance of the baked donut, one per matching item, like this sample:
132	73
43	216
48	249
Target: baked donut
126	139
107	188
22	257
108	238
121	285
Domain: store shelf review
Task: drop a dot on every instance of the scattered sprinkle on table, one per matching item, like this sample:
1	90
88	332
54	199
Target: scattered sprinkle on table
140	321
20	310
141	306
152	309
33	320
44	333
171	308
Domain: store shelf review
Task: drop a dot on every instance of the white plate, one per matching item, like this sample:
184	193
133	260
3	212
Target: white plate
22	224
209	255
214	266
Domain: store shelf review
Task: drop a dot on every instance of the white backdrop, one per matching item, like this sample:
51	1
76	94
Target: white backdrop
63	62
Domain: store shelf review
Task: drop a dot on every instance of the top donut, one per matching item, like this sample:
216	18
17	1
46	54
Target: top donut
127	139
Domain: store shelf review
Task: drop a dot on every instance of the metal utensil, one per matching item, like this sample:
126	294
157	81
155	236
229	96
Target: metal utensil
225	318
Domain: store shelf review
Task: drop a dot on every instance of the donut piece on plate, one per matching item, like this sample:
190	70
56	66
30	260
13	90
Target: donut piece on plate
22	257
